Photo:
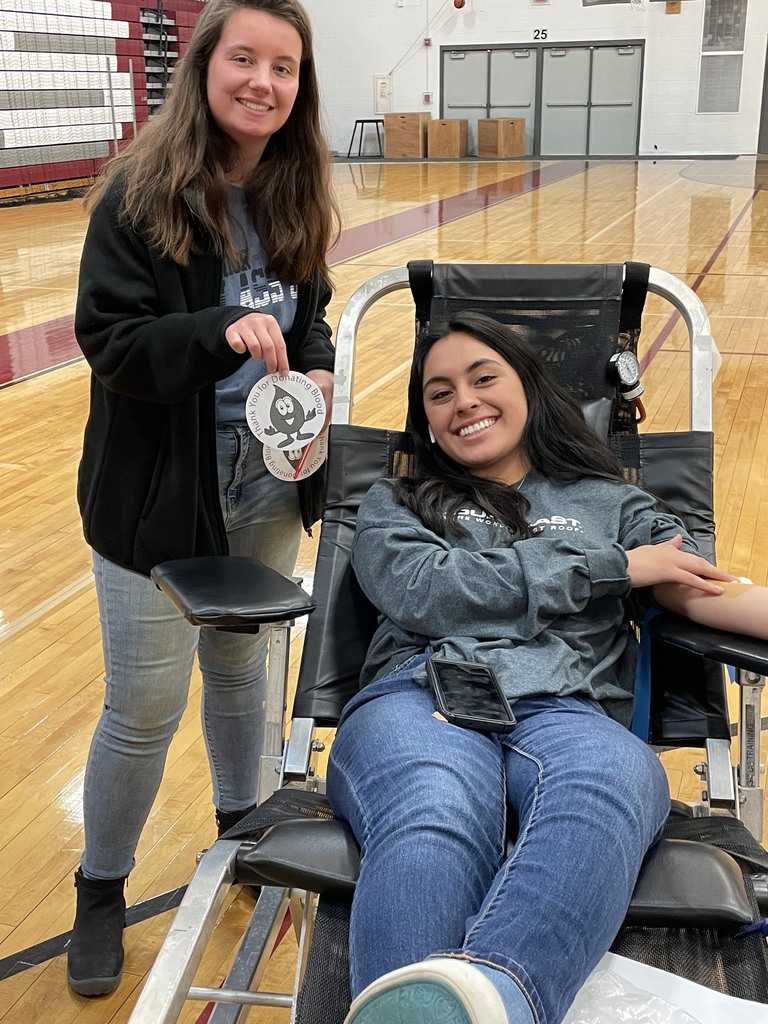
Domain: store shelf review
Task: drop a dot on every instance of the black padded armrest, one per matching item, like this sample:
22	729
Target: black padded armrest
319	855
685	884
735	649
230	591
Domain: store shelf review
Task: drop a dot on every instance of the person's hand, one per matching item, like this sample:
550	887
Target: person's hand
324	380
666	563
259	334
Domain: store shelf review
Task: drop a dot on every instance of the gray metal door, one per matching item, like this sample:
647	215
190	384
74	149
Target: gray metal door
579	100
465	88
590	100
513	88
614	113
565	101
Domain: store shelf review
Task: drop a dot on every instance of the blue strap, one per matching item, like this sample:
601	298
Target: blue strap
758	928
641	717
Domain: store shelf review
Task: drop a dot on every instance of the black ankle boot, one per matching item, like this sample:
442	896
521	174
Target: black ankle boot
225	820
95	957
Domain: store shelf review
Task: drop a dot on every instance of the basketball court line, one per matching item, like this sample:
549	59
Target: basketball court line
633	211
53	947
675	317
531	180
381	381
41	372
40	953
52	344
10	629
361	240
49	949
30	350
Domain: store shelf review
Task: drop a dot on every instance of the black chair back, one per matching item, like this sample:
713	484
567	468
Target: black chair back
577	317
340	629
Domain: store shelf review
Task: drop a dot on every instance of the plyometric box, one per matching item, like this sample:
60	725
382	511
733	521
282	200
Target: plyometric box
447	138
405	135
501	137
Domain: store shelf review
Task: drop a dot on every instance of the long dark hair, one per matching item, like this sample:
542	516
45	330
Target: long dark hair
556	441
180	159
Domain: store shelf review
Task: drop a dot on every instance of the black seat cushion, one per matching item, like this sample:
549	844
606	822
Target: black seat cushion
682	883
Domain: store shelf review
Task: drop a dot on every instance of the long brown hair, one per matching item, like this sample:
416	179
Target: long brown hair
180	158
556	440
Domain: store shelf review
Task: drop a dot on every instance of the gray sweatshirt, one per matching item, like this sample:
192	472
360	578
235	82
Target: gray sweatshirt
547	614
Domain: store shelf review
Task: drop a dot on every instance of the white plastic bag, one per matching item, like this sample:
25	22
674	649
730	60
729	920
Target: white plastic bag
607	998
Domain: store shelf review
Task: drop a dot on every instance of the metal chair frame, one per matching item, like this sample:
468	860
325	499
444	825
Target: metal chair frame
169	982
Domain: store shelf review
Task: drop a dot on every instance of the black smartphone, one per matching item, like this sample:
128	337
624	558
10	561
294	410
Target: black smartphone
469	694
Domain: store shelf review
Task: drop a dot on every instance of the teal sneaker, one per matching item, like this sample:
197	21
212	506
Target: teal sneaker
440	991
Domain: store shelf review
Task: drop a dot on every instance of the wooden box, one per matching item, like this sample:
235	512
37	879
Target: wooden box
405	135
447	138
501	137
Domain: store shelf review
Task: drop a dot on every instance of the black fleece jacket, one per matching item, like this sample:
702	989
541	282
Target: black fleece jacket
153	334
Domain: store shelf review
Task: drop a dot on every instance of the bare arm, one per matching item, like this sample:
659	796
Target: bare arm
690	586
740	607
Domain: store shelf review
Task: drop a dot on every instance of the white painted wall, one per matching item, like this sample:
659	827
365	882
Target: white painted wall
357	39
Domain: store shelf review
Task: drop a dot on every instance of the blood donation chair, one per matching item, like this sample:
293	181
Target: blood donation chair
702	884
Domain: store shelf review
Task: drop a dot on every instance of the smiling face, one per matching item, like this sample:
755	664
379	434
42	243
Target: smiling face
253	81
477	408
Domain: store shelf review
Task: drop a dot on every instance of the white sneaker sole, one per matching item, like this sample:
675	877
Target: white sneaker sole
439	991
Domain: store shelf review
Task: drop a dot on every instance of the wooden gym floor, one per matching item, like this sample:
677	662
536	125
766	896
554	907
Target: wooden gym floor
705	221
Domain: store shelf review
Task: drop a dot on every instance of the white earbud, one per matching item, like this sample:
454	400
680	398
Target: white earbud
431	434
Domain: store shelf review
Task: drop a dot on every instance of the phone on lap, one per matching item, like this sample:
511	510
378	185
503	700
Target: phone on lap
469	695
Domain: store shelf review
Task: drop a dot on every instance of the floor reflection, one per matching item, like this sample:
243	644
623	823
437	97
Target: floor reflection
37	348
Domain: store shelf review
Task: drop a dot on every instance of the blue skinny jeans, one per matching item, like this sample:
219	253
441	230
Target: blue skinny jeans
428	803
149	651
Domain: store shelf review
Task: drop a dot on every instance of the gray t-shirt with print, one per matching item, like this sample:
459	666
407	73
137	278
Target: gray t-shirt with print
254	289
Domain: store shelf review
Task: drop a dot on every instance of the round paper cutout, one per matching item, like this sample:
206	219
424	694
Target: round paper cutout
296	463
285	411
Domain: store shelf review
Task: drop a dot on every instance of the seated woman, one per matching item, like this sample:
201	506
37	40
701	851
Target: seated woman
517	545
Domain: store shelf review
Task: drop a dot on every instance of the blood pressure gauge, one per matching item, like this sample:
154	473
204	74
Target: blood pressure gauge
624	371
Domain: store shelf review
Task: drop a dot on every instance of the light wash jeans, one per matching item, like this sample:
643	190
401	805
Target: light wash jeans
149	650
428	802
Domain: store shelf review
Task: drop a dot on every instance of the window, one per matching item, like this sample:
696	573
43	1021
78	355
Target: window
724	22
722	56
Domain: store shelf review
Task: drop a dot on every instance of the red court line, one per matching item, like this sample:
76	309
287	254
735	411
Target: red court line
398	226
37	348
666	330
34	349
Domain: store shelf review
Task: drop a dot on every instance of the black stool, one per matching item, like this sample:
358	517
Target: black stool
361	123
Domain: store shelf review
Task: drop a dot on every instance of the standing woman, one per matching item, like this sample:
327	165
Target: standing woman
204	268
